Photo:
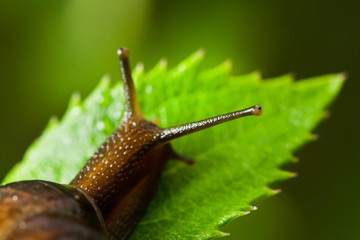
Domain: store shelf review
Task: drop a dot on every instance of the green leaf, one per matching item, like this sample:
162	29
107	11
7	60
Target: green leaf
235	162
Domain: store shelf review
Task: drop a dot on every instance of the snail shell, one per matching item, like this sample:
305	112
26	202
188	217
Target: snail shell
45	210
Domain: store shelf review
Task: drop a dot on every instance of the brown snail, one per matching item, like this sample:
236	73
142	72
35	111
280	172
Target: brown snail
112	191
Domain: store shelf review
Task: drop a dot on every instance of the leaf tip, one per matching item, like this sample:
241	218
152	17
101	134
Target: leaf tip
200	53
105	81
228	64
327	114
138	71
75	99
160	67
257	75
315	136
295	159
343	76
337	82
292	76
219	234
275	191
163	63
54	121
139	68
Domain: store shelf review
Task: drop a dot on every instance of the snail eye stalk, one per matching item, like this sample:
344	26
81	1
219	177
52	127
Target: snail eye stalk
171	133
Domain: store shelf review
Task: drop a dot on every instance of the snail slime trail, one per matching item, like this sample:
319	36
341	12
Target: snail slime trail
112	191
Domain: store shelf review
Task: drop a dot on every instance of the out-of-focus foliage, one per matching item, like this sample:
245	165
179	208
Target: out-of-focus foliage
51	48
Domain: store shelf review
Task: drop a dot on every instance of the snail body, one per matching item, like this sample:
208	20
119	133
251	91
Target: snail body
112	191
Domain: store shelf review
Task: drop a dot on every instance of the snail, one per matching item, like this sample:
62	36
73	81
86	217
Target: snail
111	192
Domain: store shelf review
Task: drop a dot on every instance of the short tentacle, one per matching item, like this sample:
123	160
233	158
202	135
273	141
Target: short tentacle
178	157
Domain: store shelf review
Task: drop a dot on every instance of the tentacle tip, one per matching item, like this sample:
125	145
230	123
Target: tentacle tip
257	110
123	52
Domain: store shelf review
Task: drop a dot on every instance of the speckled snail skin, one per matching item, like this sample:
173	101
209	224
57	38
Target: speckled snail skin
112	191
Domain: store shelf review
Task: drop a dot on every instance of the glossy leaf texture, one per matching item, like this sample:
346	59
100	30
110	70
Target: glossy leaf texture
235	162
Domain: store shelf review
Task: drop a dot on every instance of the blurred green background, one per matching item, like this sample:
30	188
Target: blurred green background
49	49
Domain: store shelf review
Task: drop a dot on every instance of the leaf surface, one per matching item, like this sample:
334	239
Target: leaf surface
235	162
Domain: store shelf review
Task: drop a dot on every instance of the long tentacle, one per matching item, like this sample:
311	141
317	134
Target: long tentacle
171	133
